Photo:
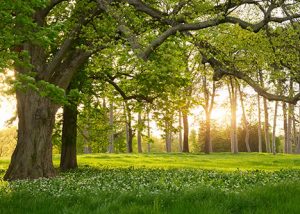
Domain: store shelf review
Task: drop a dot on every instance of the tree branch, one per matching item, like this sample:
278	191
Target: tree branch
138	97
220	70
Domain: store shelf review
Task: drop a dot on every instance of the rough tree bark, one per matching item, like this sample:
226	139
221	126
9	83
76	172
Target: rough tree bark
68	159
32	157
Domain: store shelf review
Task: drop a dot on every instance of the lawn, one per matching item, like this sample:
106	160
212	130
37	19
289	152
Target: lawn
162	183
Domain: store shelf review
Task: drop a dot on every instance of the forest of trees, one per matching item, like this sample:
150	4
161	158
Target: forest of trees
114	67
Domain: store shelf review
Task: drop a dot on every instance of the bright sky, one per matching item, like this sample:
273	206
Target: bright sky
7	103
7	109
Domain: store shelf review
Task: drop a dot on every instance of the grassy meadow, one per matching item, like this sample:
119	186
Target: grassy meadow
161	183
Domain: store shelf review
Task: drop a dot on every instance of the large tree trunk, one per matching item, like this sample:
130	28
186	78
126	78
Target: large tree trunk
185	131
259	125
68	158
245	122
32	157
139	134
274	129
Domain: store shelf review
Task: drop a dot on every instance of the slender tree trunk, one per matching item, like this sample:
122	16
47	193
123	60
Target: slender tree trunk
245	122
129	138
185	131
149	132
180	131
233	100
86	148
104	103
32	157
111	147
266	125
129	130
168	136
259	125
139	135
209	102
285	127
291	120
298	141
289	128
266	116
295	137
274	129
208	145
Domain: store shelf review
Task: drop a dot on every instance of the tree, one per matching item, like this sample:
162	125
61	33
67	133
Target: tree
111	147
68	158
180	131
139	134
266	116
259	125
274	129
56	37
208	104
244	119
53	57
232	89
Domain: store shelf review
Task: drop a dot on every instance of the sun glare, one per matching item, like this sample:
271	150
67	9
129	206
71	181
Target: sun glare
7	103
7	110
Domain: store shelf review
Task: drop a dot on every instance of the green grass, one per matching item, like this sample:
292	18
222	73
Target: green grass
162	183
220	161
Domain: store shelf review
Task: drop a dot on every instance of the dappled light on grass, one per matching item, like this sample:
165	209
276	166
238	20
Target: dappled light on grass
160	183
